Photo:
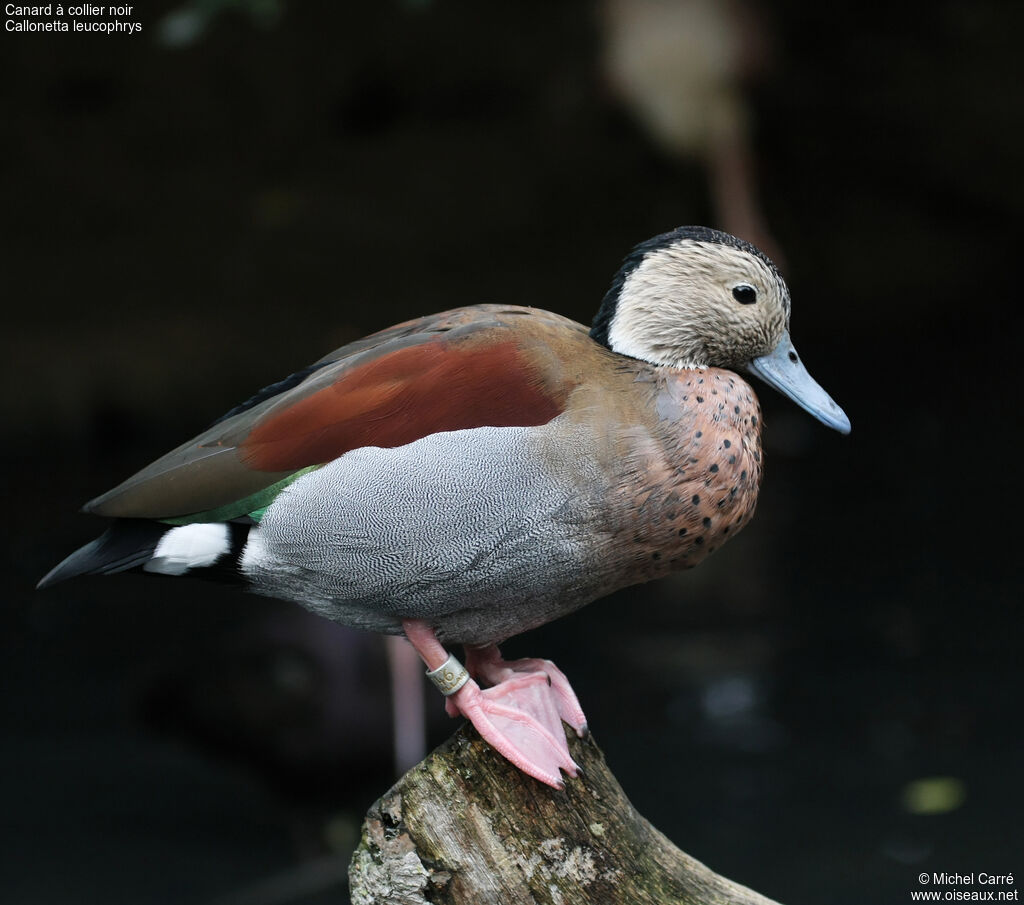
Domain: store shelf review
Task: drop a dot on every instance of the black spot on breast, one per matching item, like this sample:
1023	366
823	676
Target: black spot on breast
698	541
727	443
732	460
753	420
699	434
706	522
736	409
695	500
713	469
700	398
743	475
656	555
682	531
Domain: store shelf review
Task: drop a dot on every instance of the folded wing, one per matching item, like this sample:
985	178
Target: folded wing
471	367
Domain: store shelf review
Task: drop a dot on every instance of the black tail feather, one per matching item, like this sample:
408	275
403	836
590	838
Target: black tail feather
126	544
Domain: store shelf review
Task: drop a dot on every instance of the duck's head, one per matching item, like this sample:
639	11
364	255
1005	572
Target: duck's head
696	298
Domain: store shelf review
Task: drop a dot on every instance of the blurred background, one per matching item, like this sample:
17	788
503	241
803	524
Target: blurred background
832	703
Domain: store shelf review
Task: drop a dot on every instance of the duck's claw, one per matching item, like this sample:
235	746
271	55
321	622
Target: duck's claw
519	718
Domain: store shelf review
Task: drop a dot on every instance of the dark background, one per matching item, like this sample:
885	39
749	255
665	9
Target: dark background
825	709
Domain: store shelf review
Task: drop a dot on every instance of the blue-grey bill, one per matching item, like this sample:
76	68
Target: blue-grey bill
782	369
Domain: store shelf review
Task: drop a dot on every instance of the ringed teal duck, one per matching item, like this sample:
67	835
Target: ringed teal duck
466	476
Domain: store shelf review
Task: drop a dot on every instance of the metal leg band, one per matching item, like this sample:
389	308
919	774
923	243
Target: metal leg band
449	677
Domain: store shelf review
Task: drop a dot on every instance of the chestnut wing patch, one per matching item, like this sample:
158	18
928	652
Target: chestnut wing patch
400	397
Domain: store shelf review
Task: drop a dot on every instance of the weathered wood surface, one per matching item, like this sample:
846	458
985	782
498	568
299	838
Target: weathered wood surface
464	827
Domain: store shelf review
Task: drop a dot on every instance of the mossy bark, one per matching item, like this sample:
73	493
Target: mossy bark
464	827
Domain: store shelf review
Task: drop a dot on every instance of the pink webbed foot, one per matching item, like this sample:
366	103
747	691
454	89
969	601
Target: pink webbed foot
519	719
520	716
486	663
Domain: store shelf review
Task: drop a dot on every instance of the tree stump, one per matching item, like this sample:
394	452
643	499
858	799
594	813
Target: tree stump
465	827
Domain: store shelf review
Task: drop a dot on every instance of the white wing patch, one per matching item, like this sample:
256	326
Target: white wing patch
189	547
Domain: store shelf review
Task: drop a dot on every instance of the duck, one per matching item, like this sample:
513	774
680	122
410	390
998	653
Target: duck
466	476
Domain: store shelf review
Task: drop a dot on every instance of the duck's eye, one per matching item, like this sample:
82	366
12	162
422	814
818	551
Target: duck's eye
744	294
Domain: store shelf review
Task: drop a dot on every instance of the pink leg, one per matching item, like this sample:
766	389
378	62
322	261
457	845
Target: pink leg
518	716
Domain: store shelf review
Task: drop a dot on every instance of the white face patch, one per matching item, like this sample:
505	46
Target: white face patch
677	307
189	547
